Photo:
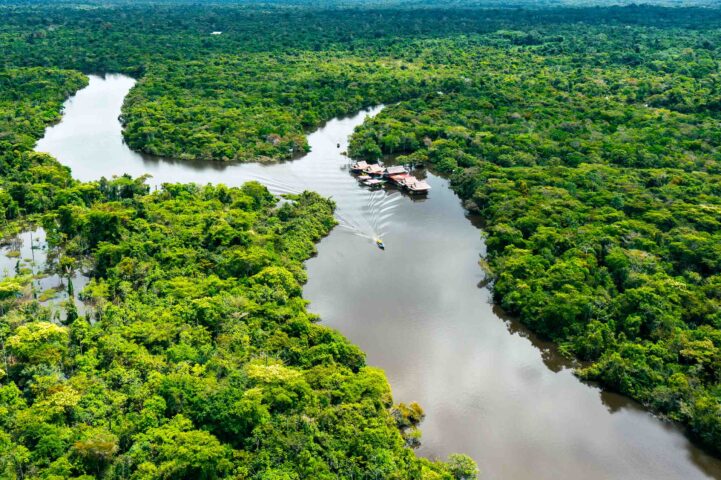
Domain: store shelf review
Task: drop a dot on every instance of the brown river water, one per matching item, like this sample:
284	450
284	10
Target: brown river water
420	311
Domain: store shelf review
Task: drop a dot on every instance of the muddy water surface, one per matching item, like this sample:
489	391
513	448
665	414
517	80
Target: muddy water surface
489	388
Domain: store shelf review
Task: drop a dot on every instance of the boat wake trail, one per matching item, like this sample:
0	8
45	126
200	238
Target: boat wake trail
359	211
349	224
279	187
335	185
379	210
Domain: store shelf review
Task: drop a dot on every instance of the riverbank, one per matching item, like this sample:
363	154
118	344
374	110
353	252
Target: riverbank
488	388
610	256
190	352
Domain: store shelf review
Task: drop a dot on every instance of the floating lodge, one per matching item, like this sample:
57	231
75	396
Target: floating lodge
375	175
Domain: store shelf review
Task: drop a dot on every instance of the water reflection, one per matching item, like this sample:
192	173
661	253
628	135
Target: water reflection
28	254
550	354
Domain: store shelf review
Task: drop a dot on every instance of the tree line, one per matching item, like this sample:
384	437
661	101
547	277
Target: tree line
588	138
593	156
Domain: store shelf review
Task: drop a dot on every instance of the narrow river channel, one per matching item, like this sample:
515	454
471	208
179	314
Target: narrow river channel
489	388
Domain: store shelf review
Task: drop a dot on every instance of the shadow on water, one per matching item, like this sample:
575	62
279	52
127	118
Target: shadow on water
550	354
614	403
489	387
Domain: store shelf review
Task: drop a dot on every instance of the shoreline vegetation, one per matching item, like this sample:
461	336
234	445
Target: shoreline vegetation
599	188
195	356
587	138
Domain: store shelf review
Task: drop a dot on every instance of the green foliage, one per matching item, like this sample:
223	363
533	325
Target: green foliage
183	369
587	138
194	356
462	467
30	99
256	106
598	176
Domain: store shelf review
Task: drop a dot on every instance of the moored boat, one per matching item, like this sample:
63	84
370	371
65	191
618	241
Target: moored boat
415	186
373	170
407	179
358	167
398	180
373	183
395	170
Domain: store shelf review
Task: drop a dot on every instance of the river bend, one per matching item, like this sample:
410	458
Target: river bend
419	311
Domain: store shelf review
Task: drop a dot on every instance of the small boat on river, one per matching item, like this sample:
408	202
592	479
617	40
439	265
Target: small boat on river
380	244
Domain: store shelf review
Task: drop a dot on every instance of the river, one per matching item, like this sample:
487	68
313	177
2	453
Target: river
420	311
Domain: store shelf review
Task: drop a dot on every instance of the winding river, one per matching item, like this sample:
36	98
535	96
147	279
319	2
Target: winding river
420	311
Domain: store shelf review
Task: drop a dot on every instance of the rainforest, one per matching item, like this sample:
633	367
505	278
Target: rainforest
582	139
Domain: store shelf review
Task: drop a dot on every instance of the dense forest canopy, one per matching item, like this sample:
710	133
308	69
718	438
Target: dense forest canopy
277	71
597	169
191	353
588	138
31	182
